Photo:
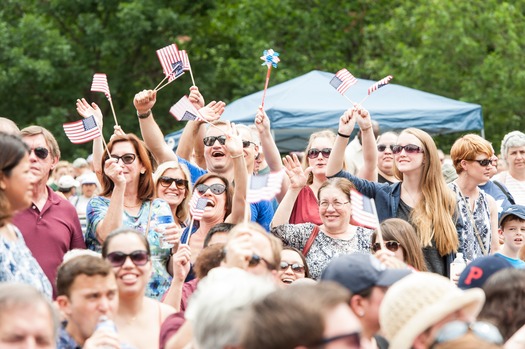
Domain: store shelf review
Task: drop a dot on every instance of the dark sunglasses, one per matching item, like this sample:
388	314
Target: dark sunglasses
390	245
126	158
484	162
296	268
352	340
40	152
166	181
210	140
117	259
409	149
216	188
382	147
455	329
256	259
313	153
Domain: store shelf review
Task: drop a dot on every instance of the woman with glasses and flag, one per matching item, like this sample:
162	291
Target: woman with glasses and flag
421	197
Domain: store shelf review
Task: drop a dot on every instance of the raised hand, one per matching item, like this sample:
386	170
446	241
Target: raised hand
294	170
347	121
262	122
85	110
144	101
363	117
212	111
181	262
234	141
196	97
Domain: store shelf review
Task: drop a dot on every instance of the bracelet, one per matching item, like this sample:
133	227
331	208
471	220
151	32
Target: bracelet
236	156
145	115
342	135
367	128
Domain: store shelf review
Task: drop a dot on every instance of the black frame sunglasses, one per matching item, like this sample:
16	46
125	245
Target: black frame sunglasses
296	267
409	149
382	147
390	245
210	141
138	257
40	152
216	188
256	259
314	153
483	163
166	182
353	340
127	158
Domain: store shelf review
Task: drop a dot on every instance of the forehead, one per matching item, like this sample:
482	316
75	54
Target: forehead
88	283
261	245
213	180
35	141
123	148
214	131
387	138
407	138
174	173
290	256
322	142
126	242
516	149
331	192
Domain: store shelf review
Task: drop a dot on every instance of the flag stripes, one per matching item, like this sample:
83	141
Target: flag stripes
82	131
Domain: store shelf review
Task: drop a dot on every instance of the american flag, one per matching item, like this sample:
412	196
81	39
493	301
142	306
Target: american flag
197	206
100	84
264	187
185	60
170	59
380	84
184	110
82	131
342	81
363	211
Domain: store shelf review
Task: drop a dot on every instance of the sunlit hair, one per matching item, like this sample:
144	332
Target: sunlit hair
229	191
401	231
80	265
182	211
275	243
122	231
51	142
330	135
60	165
467	148
146	187
303	259
13	151
511	140
340	183
433	214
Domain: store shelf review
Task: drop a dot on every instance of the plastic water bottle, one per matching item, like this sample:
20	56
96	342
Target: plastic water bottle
457	266
106	323
161	223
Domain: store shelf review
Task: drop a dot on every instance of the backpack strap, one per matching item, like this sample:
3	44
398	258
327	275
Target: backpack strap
506	192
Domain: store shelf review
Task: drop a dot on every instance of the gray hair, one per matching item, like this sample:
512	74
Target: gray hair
511	140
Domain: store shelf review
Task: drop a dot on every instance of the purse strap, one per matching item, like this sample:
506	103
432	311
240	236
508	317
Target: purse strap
310	240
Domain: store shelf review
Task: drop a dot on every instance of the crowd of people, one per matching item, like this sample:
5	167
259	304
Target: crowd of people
113	251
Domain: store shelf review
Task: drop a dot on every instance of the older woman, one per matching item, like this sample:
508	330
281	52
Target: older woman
334	236
127	199
472	158
513	152
16	193
138	318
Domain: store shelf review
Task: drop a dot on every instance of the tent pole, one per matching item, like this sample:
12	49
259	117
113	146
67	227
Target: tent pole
483	133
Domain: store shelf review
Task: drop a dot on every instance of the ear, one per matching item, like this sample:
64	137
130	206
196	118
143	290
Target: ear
63	304
463	164
357	305
420	342
500	232
3	185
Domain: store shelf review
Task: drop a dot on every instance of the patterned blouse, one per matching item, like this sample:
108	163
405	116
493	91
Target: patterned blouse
160	280
324	247
481	215
17	264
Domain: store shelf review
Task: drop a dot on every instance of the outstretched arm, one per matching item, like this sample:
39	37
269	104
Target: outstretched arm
369	169
346	126
239	204
86	110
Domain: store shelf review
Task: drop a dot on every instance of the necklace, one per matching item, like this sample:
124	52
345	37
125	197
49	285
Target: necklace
133	206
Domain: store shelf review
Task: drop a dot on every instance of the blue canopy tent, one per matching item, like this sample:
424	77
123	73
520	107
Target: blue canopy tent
309	103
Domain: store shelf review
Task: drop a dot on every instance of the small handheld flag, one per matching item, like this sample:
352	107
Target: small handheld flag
82	131
197	206
342	81
184	110
380	84
100	84
264	187
270	58
171	62
363	211
186	64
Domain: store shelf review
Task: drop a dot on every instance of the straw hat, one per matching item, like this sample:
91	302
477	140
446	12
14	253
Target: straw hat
419	301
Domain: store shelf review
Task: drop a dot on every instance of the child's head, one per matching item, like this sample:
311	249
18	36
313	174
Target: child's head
512	226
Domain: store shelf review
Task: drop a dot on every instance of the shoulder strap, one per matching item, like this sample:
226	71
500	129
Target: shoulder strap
310	241
506	192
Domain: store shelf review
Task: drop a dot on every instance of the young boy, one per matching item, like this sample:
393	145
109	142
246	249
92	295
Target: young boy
512	229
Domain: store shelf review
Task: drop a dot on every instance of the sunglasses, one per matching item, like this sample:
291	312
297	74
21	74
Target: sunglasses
256	259
117	259
382	147
351	340
40	152
216	189
409	149
455	329
210	140
126	158
166	181
314	153
296	267
484	162
390	245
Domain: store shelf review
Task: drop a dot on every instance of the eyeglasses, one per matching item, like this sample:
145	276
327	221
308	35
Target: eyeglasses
126	158
382	147
352	340
314	153
455	329
296	267
40	152
210	140
390	245
216	189
409	149
117	259
166	181
256	259
484	162
335	204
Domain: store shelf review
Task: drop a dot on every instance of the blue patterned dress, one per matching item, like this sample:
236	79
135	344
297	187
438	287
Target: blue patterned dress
96	210
17	264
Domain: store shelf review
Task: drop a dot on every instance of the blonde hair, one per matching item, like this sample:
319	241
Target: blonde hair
433	216
329	134
183	209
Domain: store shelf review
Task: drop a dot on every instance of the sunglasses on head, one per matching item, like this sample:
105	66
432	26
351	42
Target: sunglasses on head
256	259
166	181
296	267
484	162
390	245
351	340
382	147
117	259
126	158
216	188
456	329
210	140
40	152
409	149
314	153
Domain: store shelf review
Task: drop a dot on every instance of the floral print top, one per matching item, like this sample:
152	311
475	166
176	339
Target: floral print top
96	210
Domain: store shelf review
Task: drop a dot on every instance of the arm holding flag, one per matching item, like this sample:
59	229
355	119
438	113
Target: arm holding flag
85	110
239	204
368	139
346	126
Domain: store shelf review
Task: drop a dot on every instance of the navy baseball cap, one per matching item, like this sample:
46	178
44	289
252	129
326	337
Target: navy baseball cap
513	210
358	272
480	269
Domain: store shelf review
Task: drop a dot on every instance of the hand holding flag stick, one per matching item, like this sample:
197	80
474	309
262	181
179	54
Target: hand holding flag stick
100	84
377	86
270	58
197	206
88	111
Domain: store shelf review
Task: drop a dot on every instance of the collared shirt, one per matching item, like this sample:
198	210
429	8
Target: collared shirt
64	340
